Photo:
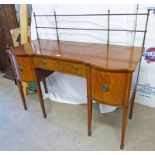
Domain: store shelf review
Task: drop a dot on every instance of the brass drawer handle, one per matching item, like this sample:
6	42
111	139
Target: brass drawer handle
75	67
105	87
43	62
20	69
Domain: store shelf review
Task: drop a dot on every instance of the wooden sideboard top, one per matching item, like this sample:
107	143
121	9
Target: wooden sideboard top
112	57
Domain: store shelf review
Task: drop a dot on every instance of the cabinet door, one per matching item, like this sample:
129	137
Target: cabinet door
108	87
24	69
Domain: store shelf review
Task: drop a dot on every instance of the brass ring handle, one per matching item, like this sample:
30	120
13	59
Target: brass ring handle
43	61
20	69
105	88
75	67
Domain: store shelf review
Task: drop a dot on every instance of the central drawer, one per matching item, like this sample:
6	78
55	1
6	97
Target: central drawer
108	87
59	65
72	68
45	63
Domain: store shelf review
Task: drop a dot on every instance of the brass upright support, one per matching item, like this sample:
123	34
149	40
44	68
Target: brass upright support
108	27
56	27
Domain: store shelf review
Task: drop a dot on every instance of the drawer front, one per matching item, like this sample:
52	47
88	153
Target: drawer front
24	69
45	63
72	68
108	87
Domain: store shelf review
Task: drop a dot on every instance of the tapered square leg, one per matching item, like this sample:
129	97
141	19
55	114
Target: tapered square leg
39	92
89	109
124	123
45	85
132	105
21	93
89	98
41	99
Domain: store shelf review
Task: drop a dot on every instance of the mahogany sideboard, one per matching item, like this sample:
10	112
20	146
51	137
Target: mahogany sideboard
108	70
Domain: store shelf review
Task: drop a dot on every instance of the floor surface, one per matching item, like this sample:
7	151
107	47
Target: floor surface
66	125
